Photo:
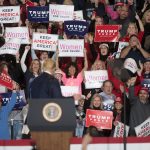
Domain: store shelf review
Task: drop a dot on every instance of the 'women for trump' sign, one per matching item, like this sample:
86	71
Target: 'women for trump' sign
68	91
70	48
95	79
11	47
19	33
60	12
106	33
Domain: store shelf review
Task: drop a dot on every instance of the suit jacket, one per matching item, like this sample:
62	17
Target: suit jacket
45	86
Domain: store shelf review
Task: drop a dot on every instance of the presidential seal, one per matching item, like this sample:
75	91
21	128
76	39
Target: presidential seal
52	112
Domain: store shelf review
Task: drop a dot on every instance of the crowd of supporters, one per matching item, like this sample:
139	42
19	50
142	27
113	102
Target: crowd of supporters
123	83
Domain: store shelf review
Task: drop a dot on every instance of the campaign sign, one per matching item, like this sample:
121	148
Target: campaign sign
95	79
79	28
10	47
20	102
60	12
9	14
38	13
120	47
19	33
146	83
143	129
68	91
78	15
106	33
119	130
71	48
6	81
99	119
45	42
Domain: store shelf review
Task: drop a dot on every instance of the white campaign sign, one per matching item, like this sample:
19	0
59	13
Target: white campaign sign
45	42
60	12
143	129
68	91
18	32
119	130
78	15
9	14
71	48
120	47
11	47
95	79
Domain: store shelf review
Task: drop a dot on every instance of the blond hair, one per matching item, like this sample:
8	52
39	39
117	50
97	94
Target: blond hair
144	16
48	65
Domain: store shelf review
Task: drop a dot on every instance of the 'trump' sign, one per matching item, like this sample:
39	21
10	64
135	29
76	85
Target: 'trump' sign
106	33
98	118
79	28
38	13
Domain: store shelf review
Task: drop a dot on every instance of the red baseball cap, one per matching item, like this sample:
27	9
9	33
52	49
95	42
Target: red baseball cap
119	100
144	89
119	4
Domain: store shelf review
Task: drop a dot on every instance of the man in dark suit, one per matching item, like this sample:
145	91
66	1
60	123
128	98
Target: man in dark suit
46	85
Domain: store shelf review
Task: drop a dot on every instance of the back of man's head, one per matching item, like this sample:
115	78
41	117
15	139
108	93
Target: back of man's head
49	65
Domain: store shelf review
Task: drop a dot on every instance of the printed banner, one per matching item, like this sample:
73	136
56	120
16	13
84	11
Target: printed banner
9	14
78	15
11	47
20	102
119	130
99	119
60	12
95	79
146	83
45	42
68	91
106	33
79	28
143	129
120	47
6	81
19	33
71	48
38	13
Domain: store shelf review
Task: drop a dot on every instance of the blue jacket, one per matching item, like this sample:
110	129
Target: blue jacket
4	114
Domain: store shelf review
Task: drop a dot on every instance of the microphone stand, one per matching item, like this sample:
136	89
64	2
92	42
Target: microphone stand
124	114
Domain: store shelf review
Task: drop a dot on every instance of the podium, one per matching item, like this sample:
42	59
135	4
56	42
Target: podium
52	122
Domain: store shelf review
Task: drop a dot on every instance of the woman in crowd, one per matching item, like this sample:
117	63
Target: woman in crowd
134	50
31	73
133	30
146	37
71	77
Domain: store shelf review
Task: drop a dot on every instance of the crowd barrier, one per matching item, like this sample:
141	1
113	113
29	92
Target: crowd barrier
133	143
17	144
